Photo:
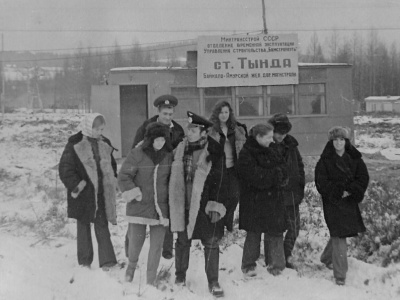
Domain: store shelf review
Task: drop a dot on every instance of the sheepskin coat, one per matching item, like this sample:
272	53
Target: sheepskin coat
176	132
293	193
335	174
197	219
218	185
139	171
78	163
261	173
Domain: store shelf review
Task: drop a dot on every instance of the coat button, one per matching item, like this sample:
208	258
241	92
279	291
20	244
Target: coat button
269	193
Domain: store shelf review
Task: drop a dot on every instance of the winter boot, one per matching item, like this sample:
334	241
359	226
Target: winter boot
215	289
129	274
340	281
180	280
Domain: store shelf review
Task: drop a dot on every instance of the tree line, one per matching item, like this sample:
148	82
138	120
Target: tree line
376	67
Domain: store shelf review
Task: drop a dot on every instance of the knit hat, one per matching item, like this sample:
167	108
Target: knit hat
86	125
339	132
281	123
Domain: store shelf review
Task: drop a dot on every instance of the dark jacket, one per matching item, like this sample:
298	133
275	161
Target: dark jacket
293	193
262	171
333	176
176	132
77	163
217	186
139	171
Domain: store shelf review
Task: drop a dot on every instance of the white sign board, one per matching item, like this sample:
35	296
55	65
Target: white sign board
247	60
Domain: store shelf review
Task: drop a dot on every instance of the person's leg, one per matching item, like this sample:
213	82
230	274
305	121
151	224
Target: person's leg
153	260
339	257
292	218
84	242
276	256
168	244
326	256
105	247
136	236
182	253
211	256
251	251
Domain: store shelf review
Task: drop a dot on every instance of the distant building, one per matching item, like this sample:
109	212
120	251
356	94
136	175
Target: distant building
382	104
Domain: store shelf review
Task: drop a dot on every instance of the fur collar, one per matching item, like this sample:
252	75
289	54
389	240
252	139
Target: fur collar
177	190
240	137
83	150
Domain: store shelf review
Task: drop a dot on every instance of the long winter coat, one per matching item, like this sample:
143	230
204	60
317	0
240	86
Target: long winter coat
293	192
198	221
262	171
333	176
77	163
176	132
138	170
217	185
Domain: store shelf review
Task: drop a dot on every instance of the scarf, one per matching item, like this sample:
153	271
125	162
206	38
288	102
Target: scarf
188	156
86	124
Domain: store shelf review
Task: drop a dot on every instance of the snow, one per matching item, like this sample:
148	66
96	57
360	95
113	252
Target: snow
38	244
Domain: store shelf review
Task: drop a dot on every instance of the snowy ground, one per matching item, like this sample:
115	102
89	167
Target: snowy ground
38	247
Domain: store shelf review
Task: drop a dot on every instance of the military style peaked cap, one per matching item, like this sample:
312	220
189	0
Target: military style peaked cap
197	120
166	100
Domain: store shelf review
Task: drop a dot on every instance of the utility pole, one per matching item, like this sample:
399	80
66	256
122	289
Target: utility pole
2	96
265	30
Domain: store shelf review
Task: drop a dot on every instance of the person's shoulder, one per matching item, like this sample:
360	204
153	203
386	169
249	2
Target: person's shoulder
75	138
177	126
291	141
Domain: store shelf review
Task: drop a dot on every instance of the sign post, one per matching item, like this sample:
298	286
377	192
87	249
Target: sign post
247	60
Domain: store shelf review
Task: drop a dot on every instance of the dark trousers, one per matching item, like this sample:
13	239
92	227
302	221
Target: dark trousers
211	255
84	241
136	237
273	249
335	253
292	218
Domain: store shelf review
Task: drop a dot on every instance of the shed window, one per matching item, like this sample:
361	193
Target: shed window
312	99
189	99
214	95
249	101
280	99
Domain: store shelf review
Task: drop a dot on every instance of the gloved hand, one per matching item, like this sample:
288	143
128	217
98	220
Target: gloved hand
133	194
214	216
78	189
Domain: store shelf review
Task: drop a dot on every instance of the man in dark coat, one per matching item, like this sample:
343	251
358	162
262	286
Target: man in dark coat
293	193
341	177
165	105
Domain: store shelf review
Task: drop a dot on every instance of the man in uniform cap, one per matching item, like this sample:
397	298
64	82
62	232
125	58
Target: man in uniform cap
192	215
293	192
165	105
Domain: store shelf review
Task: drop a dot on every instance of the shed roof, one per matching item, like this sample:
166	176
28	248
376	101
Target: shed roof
382	98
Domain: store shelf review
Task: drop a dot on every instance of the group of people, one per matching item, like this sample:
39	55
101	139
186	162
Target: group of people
191	185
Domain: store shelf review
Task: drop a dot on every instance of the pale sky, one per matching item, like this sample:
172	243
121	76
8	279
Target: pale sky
44	24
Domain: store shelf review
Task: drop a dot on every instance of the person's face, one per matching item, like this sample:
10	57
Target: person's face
339	144
158	143
97	131
194	133
278	137
165	115
224	114
265	140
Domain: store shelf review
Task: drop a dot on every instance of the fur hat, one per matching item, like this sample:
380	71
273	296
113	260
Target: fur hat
339	132
155	130
281	123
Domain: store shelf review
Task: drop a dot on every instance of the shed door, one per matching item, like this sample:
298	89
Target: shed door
133	99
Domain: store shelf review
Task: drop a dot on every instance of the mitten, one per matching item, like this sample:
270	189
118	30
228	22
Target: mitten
133	194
